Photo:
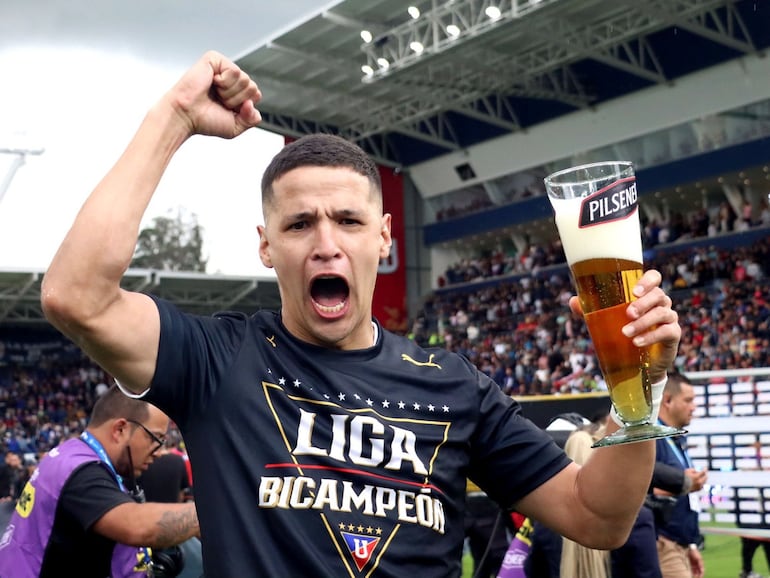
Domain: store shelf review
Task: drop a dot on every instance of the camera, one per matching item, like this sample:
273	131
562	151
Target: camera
168	562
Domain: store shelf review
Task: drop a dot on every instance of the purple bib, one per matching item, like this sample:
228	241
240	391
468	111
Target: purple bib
25	540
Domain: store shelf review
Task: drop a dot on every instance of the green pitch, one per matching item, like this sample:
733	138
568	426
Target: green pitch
722	557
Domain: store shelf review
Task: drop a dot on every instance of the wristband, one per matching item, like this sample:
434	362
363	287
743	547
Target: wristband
656	393
656	396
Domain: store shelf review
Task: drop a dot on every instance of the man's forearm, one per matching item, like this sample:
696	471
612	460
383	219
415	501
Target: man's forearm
179	522
614	480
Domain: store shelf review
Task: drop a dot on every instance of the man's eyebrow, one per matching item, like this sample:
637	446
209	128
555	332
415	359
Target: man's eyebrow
309	215
348	212
300	216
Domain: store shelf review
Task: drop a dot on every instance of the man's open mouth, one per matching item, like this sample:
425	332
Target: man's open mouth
329	293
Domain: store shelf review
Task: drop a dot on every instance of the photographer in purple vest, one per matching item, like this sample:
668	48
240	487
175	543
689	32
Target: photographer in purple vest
81	512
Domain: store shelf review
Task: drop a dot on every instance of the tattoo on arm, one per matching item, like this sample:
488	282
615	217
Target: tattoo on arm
177	525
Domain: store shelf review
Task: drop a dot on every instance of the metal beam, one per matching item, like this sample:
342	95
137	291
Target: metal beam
455	84
240	294
353	23
375	143
322	103
472	101
324	59
636	57
436	130
728	30
19	157
494	112
552	44
12	303
293	126
618	42
434	33
433	94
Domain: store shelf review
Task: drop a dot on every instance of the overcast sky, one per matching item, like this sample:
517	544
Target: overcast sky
77	79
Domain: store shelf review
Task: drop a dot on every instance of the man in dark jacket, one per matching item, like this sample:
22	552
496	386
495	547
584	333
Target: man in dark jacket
679	538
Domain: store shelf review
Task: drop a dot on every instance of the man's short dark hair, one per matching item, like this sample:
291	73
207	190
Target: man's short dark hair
319	150
674	383
115	404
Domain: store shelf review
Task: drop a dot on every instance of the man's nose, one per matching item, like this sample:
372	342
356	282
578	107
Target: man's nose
326	241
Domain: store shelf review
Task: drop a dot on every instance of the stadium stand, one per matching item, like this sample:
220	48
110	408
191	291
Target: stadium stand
470	125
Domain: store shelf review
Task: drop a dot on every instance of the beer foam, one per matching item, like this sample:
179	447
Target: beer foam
619	239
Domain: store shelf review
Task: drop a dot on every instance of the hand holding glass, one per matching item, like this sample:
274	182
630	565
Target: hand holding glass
596	213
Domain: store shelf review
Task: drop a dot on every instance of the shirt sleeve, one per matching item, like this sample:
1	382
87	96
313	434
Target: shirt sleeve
193	353
89	493
511	456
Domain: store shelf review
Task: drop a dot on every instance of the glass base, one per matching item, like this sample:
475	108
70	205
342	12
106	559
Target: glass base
638	433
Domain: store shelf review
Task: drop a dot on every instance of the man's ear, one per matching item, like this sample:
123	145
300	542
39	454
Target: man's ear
385	233
264	247
118	427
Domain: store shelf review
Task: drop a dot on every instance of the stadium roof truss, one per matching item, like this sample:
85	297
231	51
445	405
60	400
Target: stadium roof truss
193	292
459	74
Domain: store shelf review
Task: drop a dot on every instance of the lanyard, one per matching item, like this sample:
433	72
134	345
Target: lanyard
99	450
680	454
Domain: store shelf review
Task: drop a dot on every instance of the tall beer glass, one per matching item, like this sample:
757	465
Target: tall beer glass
595	208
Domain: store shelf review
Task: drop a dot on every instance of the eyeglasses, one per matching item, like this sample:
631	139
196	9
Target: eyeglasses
159	441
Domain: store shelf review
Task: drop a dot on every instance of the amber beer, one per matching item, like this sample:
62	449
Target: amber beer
598	222
604	288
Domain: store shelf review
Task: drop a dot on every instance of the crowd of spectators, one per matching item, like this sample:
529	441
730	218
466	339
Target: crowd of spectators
476	204
700	224
503	264
44	404
46	394
519	332
722	219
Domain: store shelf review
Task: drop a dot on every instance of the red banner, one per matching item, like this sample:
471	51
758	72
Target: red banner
389	306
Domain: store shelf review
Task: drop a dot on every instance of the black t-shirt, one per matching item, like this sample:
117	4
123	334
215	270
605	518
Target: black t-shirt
74	549
165	479
317	462
11	481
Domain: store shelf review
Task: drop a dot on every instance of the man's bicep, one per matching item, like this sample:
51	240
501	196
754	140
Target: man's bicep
124	340
553	502
122	524
89	493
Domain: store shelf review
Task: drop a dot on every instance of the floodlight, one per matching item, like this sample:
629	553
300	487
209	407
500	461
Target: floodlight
493	12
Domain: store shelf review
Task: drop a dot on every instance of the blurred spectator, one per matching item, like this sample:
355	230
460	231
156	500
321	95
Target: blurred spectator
165	479
176	446
12	476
